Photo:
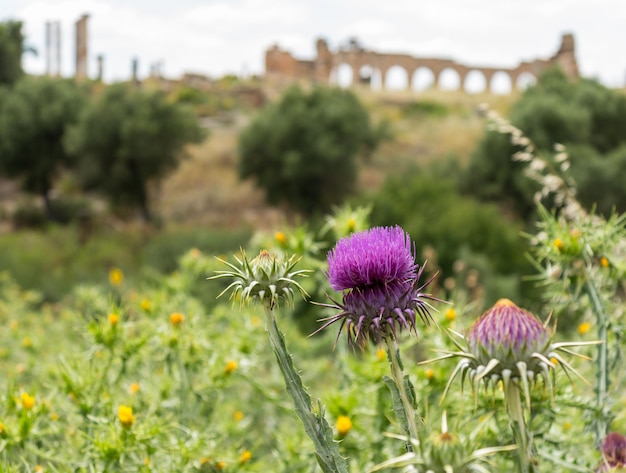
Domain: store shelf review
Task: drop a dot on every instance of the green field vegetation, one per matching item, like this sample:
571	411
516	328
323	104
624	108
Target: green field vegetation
118	356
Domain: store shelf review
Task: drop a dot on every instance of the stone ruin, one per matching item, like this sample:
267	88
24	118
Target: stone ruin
281	65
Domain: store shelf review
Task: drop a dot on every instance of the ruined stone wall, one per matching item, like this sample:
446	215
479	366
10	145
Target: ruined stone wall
282	65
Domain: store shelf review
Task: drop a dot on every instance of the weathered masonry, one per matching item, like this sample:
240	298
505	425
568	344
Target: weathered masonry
372	67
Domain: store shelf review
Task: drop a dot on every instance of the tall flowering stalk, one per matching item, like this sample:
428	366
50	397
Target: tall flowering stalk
577	253
382	295
271	281
510	345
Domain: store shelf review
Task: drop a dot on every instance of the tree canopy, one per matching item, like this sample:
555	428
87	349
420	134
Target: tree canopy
11	49
586	117
302	151
128	138
34	117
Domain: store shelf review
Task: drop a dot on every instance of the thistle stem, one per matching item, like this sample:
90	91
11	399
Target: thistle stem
315	425
518	424
408	403
600	423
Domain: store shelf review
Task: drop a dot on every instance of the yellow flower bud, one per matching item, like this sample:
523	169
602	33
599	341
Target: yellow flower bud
344	425
558	243
381	354
176	319
280	238
584	328
245	456
125	416
116	277
28	401
230	366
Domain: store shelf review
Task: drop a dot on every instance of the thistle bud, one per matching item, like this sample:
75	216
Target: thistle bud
613	452
510	344
266	278
510	335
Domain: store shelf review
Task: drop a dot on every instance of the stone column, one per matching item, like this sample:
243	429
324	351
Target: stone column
48	48
81	48
53	48
100	66
135	71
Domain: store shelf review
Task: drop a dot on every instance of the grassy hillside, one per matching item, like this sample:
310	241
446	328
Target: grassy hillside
425	127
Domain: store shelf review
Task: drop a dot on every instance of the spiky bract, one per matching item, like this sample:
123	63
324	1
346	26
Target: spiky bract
266	278
510	344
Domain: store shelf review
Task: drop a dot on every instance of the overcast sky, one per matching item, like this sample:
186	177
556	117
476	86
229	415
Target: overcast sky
215	37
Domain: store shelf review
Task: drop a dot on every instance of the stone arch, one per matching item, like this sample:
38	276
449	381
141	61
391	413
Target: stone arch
423	78
396	78
475	82
525	80
449	79
501	83
343	75
370	77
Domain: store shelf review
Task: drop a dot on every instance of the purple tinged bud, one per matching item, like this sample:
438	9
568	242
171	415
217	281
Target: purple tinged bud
508	334
614	451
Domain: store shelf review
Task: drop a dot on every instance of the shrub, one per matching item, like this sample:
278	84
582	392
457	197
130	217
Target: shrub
302	150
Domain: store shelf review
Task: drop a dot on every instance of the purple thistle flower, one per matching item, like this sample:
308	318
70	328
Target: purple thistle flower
376	269
613	452
509	334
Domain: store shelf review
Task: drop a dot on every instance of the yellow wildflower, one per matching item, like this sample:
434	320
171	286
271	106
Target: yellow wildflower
381	354
344	425
280	238
134	388
584	328
220	465
450	314
430	373
558	243
230	366
145	305
27	342
176	319
38	469
567	426
114	319
245	456
604	262
125	415
28	401
238	416
116	277
351	225
554	361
